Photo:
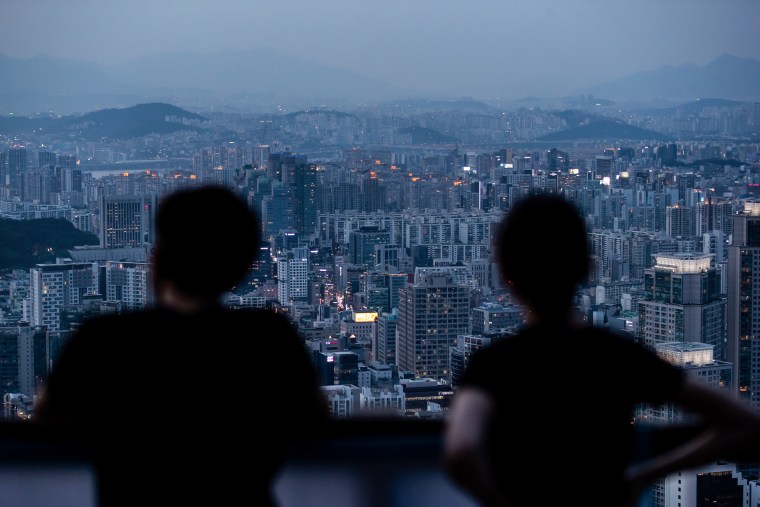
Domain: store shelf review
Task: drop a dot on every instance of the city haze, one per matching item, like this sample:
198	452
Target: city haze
482	49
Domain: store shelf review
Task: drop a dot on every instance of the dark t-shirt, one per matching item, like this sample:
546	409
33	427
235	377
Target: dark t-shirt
184	409
562	430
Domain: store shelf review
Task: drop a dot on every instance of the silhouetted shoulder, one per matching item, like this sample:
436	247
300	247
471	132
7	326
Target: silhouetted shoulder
582	355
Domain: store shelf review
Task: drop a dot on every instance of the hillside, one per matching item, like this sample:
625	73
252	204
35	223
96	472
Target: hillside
582	125
422	135
135	121
29	242
126	123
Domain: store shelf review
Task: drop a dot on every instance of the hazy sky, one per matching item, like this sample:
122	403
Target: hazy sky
467	47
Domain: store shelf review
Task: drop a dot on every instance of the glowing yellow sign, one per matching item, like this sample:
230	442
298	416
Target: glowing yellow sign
365	316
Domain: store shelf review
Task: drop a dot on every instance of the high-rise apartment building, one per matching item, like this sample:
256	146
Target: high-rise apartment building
433	312
293	276
56	286
679	222
682	302
128	282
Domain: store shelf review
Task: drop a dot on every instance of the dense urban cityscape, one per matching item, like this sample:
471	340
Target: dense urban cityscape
378	236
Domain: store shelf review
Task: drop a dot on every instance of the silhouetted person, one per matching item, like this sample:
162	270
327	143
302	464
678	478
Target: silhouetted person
188	403
545	417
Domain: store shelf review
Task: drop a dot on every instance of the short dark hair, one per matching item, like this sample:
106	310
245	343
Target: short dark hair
542	251
206	240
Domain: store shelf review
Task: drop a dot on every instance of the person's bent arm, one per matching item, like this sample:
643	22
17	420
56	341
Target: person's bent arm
465	458
732	433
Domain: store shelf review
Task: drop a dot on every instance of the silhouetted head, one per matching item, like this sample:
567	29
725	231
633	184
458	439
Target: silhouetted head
206	239
542	251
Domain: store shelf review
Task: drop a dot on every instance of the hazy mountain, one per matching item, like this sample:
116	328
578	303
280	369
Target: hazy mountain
582	125
43	83
727	77
264	79
262	76
259	71
136	121
126	123
423	135
693	107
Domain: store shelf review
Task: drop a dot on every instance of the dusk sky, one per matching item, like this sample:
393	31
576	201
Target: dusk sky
453	47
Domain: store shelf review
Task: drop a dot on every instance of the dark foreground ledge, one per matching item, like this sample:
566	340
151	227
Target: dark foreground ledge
370	462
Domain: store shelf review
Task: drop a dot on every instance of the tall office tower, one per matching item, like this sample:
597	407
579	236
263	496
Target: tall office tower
261	157
384	348
306	197
376	299
274	165
69	179
16	168
361	245
373	191
698	362
293	276
394	282
433	312
603	166
56	286
682	302
33	185
346	197
262	268
219	175
129	283
69	161
289	165
744	303
46	158
124	221
278	210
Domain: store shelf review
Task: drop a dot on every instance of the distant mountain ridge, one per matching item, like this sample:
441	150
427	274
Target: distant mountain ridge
125	123
694	107
727	77
265	79
262	74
